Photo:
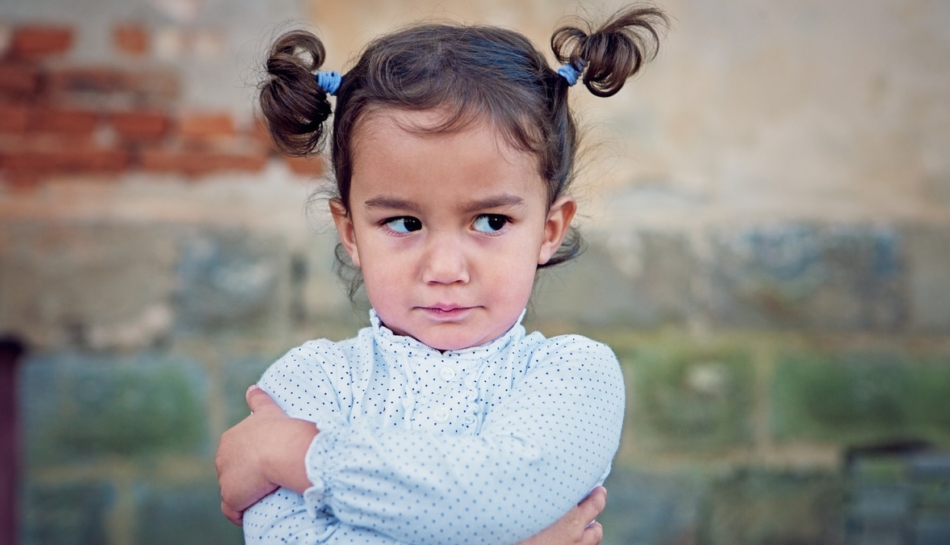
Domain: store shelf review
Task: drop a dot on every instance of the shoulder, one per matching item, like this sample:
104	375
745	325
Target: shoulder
575	351
313	357
570	347
315	373
578	363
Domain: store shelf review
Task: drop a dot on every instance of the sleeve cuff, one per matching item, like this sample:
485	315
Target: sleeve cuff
318	462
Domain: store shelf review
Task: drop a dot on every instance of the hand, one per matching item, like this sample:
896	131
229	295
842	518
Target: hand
261	453
578	526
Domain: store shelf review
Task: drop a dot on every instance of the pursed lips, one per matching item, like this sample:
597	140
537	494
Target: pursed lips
445	309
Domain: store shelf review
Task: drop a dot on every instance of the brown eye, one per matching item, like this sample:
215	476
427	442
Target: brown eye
490	223
404	224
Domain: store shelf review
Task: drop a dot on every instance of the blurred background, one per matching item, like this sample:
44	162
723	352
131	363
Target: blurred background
768	215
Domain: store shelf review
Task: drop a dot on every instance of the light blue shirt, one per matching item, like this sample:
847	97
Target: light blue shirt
489	444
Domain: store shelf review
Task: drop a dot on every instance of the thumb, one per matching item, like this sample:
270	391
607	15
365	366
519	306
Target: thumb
593	505
258	400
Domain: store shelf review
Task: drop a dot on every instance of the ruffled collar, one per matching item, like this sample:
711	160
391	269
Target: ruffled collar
404	345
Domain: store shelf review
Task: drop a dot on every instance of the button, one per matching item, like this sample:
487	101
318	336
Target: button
441	414
447	373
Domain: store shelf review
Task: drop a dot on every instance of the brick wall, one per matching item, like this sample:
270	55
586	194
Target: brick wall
776	288
61	117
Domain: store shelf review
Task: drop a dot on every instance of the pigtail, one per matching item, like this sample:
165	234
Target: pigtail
615	51
293	104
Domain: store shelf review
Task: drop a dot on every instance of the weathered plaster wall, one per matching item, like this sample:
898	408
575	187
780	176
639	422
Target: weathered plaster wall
767	206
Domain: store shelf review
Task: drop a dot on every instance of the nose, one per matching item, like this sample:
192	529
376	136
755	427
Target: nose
445	261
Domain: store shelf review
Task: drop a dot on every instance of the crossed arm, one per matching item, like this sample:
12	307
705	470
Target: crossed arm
250	466
541	447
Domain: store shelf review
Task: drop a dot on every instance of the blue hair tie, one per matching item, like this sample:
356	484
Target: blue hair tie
570	73
328	81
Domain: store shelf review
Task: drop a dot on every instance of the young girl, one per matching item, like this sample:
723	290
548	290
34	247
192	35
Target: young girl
443	422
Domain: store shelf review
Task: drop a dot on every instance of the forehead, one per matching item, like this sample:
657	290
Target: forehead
393	147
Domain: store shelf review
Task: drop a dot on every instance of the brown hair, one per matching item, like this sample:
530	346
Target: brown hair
474	73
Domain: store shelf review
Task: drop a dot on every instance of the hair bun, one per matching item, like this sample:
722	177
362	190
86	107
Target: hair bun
294	106
614	51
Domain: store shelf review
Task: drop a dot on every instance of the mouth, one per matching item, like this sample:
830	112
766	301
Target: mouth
446	311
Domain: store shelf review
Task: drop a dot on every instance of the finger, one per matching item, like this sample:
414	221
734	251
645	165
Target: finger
593	505
593	534
236	517
258	400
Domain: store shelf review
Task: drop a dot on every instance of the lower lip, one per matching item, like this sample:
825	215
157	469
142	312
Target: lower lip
446	314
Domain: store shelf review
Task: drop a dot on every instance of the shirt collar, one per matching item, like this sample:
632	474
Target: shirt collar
403	345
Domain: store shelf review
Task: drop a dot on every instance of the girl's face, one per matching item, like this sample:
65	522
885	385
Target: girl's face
448	228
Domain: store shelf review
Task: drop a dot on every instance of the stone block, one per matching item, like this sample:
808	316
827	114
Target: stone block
855	397
98	286
928	279
651	509
183	515
233	281
71	514
762	508
644	280
689	396
813	277
909	497
78	407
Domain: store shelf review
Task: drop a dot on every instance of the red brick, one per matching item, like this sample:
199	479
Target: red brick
153	84
200	162
148	85
90	78
37	160
131	39
21	181
14	118
55	120
258	131
140	124
37	41
18	78
204	126
305	166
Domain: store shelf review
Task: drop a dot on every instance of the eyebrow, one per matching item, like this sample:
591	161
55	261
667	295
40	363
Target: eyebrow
392	203
495	201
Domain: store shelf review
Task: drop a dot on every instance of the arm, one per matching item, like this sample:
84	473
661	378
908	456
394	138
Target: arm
577	526
246	472
537	453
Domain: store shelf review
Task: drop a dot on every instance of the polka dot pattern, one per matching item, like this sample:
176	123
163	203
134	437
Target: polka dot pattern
488	444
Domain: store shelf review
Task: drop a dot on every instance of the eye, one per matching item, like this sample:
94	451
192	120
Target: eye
403	224
490	223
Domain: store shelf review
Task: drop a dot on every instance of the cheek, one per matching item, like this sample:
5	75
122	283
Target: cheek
514	280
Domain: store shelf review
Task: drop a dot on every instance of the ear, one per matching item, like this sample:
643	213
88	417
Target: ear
556	226
345	229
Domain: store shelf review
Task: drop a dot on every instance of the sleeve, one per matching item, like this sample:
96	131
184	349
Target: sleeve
311	383
538	453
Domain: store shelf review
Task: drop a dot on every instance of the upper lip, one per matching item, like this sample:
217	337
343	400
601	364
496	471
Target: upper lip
446	306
